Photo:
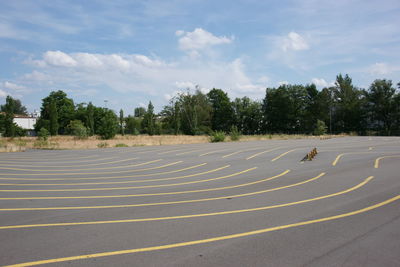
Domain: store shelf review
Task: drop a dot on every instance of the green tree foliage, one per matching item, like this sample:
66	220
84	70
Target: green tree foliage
53	117
222	111
121	122
77	129
65	111
108	126
320	128
139	112
348	102
133	125
90	118
382	106
171	118
9	126
148	122
247	115
18	108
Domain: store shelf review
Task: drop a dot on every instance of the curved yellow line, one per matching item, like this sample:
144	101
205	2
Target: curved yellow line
86	169
105	177
192	215
135	181
73	166
174	193
376	165
283	154
95	173
128	187
209	240
262	152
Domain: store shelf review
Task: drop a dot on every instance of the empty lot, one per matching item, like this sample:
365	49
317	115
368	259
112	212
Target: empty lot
225	204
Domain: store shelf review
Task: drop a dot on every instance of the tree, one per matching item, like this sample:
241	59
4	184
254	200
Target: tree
171	120
53	118
133	125
90	118
9	117
222	111
77	129
121	122
17	109
108	125
139	112
348	105
381	103
148	123
65	111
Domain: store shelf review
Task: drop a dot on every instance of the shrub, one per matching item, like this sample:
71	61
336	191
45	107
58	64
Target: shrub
77	129
320	128
218	136
43	134
102	145
108	125
235	134
121	145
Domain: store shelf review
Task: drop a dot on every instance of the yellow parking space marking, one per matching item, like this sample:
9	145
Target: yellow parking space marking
376	165
52	158
212	152
240	151
94	173
107	177
128	187
335	162
262	152
192	215
281	155
213	239
135	181
188	152
170	151
173	193
86	169
72	166
8	160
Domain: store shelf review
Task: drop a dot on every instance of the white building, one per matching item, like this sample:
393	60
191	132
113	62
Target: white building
26	122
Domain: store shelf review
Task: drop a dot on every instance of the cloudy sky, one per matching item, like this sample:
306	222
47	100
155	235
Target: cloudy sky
130	52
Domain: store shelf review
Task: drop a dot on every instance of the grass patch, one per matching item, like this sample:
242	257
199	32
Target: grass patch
217	136
121	145
102	145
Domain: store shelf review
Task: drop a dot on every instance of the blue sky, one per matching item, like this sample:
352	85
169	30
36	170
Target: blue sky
130	52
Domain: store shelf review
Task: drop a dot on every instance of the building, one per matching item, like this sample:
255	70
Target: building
26	122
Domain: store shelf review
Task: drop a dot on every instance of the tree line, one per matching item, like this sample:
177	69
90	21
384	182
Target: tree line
288	109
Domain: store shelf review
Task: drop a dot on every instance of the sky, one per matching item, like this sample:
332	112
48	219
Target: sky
123	54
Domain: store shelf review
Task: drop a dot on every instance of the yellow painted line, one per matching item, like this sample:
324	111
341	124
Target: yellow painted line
262	152
335	162
376	165
108	177
192	215
128	187
188	152
171	151
95	173
72	166
240	151
370	148
174	193
56	160
53	158
209	240
212	152
86	169
281	155
135	181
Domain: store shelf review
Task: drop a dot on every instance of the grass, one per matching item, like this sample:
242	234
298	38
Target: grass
69	142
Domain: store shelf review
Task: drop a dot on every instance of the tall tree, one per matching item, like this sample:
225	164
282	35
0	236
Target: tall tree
222	111
381	102
90	118
53	117
9	117
148	123
108	126
121	122
139	112
17	109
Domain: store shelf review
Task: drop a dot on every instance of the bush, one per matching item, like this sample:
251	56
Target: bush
121	145
235	134
77	129
102	145
43	134
320	128
108	125
217	136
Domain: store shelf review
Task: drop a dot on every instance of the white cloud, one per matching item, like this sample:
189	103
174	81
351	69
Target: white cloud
3	94
320	82
13	86
58	58
294	41
36	76
200	39
283	83
179	33
380	69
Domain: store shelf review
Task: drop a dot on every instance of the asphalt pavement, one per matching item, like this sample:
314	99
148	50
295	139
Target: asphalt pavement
219	204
